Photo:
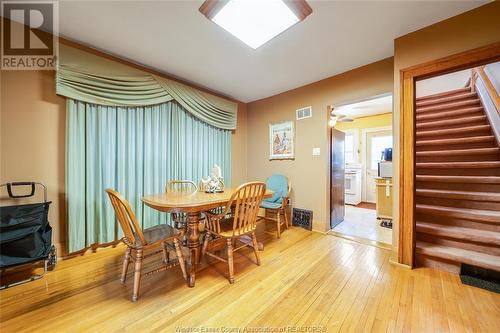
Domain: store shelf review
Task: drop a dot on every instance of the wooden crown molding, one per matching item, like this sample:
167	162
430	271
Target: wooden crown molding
300	8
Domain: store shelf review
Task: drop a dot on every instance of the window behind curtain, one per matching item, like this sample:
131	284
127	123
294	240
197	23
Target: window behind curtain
134	150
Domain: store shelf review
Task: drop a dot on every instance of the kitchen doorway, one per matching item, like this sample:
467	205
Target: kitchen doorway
368	141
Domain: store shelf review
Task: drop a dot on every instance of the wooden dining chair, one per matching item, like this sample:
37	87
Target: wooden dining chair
244	205
275	208
182	186
138	241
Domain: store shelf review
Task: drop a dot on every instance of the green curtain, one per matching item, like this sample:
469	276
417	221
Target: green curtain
109	90
134	150
93	79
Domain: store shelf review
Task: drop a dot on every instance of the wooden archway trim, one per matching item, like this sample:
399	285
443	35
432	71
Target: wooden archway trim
408	77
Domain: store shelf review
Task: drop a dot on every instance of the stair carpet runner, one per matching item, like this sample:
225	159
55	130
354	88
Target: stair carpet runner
457	185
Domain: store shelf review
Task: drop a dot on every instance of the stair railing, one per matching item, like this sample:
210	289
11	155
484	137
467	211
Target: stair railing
482	85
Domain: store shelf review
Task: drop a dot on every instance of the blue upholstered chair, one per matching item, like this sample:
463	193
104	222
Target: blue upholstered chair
276	206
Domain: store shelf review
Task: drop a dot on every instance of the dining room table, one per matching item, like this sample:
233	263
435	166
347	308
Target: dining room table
192	204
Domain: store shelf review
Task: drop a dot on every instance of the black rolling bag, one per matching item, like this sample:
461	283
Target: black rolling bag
25	233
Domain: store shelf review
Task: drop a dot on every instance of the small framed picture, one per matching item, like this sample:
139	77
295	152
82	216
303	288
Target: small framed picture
281	141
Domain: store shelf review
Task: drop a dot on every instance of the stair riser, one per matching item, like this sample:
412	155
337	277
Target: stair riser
437	263
458	203
485	144
465	110
447	99
462	134
444	94
477	247
487	217
457	222
458	158
433	125
458	172
466	236
448	107
421	119
458	186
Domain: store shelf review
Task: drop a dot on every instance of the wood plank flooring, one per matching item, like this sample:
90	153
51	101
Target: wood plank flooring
306	279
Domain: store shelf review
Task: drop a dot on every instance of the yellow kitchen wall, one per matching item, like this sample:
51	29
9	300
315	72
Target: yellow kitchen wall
379	120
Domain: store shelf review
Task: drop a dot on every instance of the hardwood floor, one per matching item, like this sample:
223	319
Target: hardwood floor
305	279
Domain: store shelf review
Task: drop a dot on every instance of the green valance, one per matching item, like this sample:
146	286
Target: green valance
89	78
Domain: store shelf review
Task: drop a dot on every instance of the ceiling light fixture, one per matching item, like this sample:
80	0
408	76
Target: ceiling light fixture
335	117
255	22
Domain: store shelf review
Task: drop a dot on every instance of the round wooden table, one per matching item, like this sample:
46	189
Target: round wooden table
191	203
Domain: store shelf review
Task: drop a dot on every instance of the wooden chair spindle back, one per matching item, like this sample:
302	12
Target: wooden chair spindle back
126	217
181	186
245	203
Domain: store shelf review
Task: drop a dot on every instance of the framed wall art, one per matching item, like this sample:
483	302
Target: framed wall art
281	141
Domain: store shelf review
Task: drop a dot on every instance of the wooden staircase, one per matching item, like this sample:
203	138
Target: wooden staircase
457	183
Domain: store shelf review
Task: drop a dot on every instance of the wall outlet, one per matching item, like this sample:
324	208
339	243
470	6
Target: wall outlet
316	151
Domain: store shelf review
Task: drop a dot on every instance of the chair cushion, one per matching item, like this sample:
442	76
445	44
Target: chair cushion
279	185
270	205
157	233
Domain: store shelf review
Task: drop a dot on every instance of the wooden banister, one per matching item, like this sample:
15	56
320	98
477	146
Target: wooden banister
479	71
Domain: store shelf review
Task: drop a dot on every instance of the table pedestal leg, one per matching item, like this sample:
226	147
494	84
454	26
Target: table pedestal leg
193	242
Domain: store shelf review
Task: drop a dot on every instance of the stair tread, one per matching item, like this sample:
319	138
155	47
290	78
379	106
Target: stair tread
452	152
448	98
456	232
472	139
460	130
460	179
460	165
453	113
458	255
448	105
446	93
464	195
453	121
482	215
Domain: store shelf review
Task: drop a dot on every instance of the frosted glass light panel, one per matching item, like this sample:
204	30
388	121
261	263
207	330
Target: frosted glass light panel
255	22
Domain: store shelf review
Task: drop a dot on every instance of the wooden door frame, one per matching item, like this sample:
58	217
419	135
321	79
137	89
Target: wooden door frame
408	77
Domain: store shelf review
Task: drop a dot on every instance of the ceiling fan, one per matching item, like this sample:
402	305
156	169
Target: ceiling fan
337	117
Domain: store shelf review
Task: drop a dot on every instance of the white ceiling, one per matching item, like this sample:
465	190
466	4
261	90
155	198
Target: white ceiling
371	107
175	38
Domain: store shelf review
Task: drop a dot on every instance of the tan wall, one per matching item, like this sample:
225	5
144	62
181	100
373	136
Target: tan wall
309	174
469	30
32	145
32	137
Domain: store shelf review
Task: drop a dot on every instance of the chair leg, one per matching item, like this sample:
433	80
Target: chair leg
255	248
166	254
180	257
278	223
205	243
126	261
230	259
137	274
286	219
